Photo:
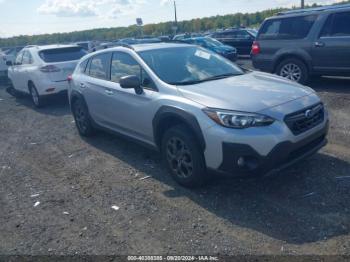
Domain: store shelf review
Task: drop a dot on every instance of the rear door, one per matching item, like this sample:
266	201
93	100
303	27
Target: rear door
94	84
23	71
61	62
331	50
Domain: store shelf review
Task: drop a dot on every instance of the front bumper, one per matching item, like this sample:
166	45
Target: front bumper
281	156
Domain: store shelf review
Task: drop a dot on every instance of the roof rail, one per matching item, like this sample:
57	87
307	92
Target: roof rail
126	46
315	9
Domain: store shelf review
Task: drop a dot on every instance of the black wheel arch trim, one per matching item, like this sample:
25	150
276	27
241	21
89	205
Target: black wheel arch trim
300	55
189	119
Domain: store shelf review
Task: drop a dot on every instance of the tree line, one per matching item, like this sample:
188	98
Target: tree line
165	28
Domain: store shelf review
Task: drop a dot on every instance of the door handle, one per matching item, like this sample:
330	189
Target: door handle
319	44
82	85
109	92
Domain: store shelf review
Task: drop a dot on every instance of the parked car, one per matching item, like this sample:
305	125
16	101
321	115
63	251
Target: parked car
214	45
240	38
186	35
3	66
87	45
7	54
302	43
43	70
12	52
199	110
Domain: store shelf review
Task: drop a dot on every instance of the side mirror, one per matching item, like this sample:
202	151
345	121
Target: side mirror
9	63
131	82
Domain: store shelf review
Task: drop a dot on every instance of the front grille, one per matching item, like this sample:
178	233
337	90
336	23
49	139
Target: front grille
303	120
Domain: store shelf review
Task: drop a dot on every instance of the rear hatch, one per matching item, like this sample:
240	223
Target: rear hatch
60	62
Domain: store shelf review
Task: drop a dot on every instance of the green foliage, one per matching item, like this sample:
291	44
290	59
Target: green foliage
194	25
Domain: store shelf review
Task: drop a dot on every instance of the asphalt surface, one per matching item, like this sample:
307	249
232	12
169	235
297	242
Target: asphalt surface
57	191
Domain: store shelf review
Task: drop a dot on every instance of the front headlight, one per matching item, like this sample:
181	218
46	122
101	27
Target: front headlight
239	120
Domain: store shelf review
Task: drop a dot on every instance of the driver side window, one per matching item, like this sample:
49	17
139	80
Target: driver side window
125	65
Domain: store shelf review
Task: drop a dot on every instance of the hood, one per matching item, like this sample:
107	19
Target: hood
251	92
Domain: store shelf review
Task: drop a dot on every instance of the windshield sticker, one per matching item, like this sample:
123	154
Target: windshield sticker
202	54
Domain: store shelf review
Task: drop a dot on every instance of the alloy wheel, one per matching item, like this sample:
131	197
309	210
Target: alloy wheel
35	96
80	117
179	157
291	71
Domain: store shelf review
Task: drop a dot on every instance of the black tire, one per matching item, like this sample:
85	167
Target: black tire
37	100
293	69
82	118
187	167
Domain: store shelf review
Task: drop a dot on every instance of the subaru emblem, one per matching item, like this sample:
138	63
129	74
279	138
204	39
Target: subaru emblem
309	113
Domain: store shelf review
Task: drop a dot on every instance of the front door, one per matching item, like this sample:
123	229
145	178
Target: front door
331	50
130	113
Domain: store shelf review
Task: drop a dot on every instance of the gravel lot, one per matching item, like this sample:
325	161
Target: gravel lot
74	183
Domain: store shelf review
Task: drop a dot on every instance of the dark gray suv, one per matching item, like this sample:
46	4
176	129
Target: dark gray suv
301	43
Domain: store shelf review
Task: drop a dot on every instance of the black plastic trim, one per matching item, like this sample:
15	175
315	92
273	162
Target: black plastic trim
281	156
165	112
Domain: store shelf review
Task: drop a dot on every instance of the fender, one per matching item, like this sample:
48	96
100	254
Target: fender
165	112
293	52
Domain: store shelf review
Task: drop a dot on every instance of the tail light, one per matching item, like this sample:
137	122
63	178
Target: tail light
50	69
256	48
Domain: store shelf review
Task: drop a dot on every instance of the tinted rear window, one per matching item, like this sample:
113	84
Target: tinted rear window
62	54
287	28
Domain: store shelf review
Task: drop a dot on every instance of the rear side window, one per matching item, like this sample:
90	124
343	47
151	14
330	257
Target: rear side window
337	25
99	66
62	54
287	28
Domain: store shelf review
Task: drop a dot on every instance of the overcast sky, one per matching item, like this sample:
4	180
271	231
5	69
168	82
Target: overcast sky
50	16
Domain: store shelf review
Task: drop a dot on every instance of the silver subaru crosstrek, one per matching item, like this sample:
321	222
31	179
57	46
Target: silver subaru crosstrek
201	111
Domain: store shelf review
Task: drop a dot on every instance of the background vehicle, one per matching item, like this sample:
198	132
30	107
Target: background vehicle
186	35
3	66
87	45
214	45
297	44
44	70
240	38
198	109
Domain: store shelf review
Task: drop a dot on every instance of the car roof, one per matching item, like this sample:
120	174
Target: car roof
312	11
196	38
156	46
48	47
140	48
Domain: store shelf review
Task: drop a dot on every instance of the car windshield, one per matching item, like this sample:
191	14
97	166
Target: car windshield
212	42
188	65
62	54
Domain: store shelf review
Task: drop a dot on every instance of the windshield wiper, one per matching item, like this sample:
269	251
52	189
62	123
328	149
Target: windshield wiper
205	80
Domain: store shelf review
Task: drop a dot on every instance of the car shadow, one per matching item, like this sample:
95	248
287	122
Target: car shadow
331	84
303	204
56	105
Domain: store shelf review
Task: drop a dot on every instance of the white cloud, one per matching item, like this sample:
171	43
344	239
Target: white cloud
110	9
